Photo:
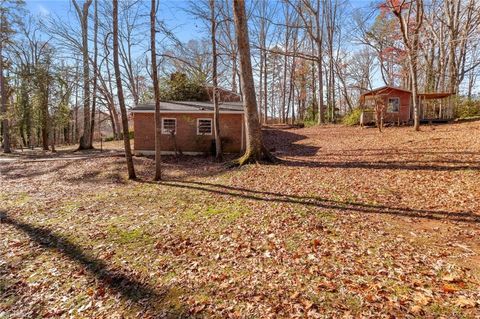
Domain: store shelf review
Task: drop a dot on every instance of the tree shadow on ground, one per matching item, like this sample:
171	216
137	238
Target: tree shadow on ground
395	151
119	281
96	176
465	217
386	165
284	141
17	170
285	144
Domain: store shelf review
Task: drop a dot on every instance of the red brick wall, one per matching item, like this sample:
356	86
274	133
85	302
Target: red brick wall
186	137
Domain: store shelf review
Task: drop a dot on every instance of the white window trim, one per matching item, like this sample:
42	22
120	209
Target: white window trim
392	98
163	128
211	125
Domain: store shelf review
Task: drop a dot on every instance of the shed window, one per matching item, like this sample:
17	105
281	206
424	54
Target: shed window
393	105
169	126
204	126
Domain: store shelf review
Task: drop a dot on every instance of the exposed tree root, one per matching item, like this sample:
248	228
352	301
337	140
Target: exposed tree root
251	157
83	145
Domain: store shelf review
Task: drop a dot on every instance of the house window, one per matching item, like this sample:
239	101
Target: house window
169	126
393	105
204	126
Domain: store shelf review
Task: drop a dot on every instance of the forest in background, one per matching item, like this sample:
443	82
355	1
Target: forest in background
311	60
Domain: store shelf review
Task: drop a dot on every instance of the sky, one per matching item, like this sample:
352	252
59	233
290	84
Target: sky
171	12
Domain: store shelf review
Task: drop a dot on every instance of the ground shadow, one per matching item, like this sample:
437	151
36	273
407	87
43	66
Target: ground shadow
14	170
388	165
399	151
466	217
126	285
284	141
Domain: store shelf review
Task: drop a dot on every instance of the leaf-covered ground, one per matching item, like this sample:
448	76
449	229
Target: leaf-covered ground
352	223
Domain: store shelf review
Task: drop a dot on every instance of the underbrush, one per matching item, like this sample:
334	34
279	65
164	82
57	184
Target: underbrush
467	109
353	117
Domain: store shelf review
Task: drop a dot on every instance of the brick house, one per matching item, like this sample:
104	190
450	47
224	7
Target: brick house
187	127
397	105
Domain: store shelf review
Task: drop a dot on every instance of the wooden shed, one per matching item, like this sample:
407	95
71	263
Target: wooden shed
396	105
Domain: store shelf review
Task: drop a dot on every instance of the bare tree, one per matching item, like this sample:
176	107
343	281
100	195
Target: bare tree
85	141
156	90
121	100
255	150
410	37
95	67
7	15
313	19
3	90
216	108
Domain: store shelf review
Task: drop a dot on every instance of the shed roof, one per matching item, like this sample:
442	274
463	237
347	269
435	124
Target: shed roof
439	95
190	107
384	89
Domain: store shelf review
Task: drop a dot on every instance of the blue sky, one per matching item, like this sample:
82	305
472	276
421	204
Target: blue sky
170	11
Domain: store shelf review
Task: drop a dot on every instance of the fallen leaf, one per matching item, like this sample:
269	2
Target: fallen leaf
449	288
416	309
464	302
420	299
295	295
307	304
451	278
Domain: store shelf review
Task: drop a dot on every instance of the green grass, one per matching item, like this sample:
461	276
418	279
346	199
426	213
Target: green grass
440	310
14	200
126	236
398	289
224	212
353	303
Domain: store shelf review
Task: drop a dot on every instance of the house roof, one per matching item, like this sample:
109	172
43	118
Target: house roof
385	89
189	107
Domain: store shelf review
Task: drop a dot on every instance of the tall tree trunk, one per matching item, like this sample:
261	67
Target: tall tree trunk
75	131
83	16
319	27
265	91
260	95
121	100
255	150
216	109
45	115
95	61
234	72
3	93
117	128
156	90
285	63
411	41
